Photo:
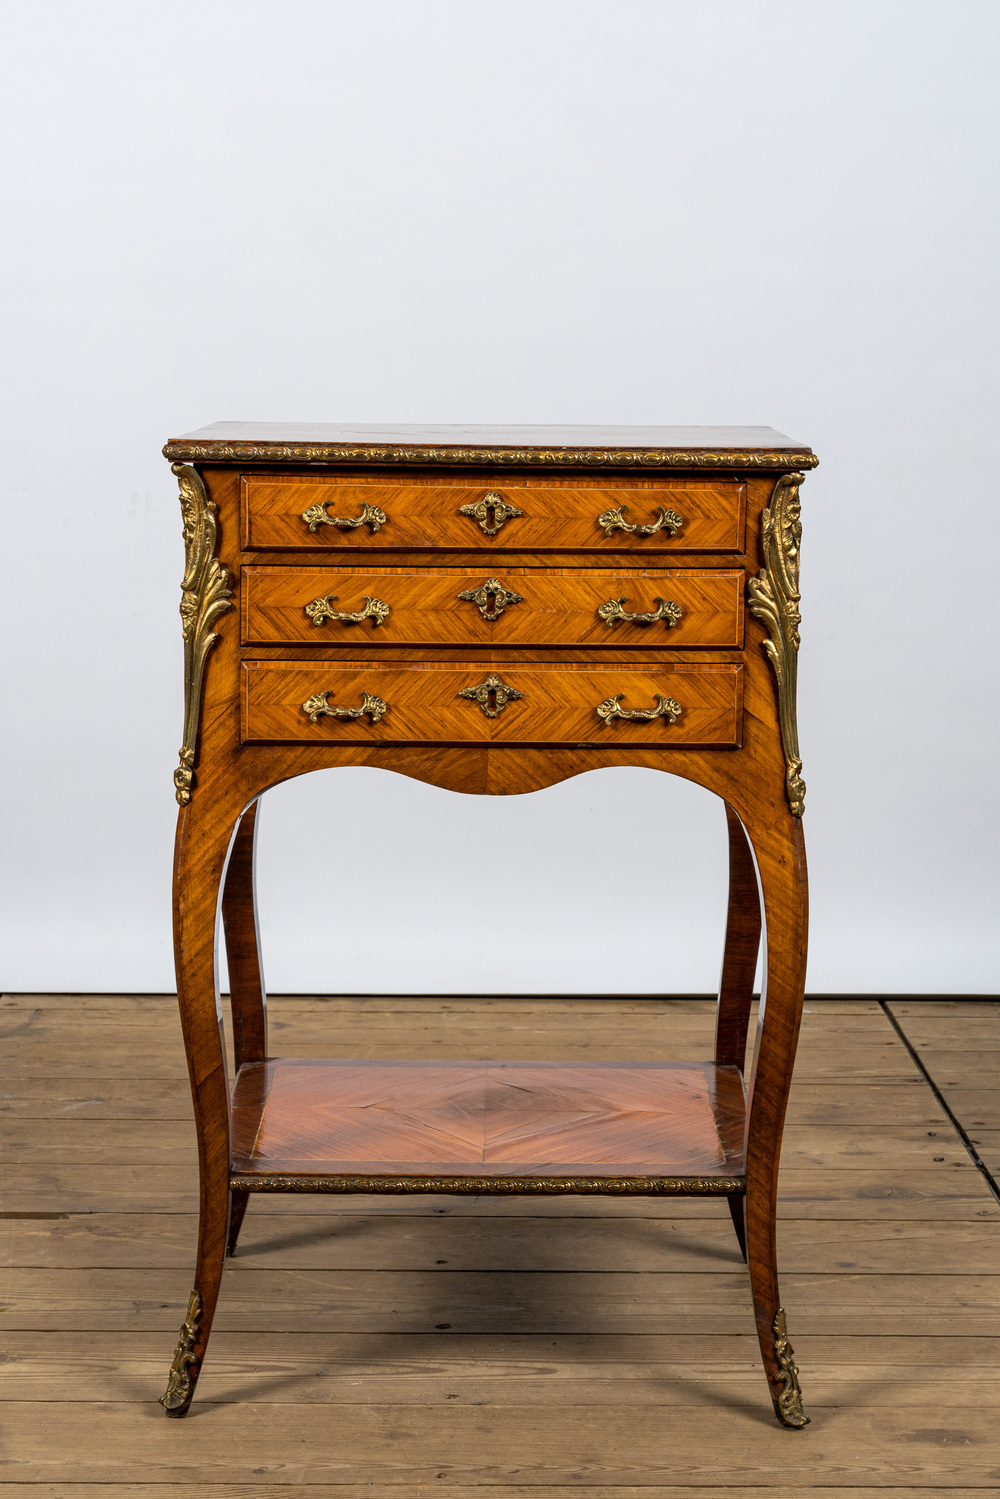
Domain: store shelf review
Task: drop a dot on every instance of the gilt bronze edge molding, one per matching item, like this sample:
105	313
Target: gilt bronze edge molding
205	595
333	452
603	1186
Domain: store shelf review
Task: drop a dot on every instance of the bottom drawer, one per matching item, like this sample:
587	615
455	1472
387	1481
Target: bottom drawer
393	703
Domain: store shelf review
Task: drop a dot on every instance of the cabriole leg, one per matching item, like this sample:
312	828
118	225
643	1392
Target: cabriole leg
203	836
780	852
737	1211
739	958
238	1202
246	970
739	965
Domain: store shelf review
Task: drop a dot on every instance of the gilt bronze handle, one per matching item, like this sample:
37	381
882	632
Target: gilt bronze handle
491	512
614	520
613	610
321	609
370	515
317	707
666	707
493	590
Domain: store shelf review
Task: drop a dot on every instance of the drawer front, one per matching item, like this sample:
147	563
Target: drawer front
337	515
526	607
371	703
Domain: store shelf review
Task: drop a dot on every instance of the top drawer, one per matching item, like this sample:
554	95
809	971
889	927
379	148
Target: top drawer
329	514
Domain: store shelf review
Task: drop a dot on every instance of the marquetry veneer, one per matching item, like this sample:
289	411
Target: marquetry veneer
554	607
506	1121
490	610
426	515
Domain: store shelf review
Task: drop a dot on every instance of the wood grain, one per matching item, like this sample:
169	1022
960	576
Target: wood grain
557	608
556	518
544	735
497	1118
520	439
459	1445
558	704
598	1346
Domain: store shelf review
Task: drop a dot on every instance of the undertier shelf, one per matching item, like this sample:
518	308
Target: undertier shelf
494	1127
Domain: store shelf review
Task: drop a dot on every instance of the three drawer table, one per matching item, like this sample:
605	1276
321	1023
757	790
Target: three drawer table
490	610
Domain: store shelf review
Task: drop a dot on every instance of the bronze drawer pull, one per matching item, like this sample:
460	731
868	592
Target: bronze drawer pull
375	610
493	695
491	589
370	515
491	505
666	707
613	611
614	520
317	707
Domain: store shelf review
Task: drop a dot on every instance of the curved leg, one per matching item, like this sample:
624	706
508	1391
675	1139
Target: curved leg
204	830
739	965
739	959
246	970
737	1211
780	853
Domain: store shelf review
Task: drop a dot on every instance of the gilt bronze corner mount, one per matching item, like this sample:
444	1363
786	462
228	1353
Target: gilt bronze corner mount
205	594
774	597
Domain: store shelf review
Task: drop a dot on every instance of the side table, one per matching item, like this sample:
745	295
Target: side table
490	610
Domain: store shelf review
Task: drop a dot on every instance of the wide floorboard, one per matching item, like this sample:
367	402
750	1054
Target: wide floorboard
515	1347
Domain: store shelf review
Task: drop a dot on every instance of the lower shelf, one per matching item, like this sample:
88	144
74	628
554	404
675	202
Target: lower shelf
493	1127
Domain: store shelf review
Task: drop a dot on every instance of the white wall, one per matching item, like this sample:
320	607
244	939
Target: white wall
535	211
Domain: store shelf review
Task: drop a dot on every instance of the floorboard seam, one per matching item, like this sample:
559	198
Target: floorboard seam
976	1158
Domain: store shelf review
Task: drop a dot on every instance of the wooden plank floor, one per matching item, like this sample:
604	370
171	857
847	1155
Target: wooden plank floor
513	1347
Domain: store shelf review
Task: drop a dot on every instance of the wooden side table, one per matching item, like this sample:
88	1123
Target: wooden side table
490	610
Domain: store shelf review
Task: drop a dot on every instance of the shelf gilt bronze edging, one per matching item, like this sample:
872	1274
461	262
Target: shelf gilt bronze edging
603	1186
177	1396
205	594
334	452
773	596
789	1402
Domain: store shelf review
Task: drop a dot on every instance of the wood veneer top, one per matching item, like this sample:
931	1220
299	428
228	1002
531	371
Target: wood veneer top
566	1119
634	446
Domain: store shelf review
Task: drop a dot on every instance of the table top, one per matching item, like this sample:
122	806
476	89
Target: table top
646	446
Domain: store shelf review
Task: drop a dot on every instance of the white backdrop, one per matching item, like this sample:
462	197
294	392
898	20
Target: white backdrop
537	211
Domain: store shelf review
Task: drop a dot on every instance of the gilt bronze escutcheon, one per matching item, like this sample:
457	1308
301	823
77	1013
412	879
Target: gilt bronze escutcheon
493	695
491	512
493	590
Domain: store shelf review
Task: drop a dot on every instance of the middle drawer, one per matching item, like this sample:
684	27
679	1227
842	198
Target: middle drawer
674	609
